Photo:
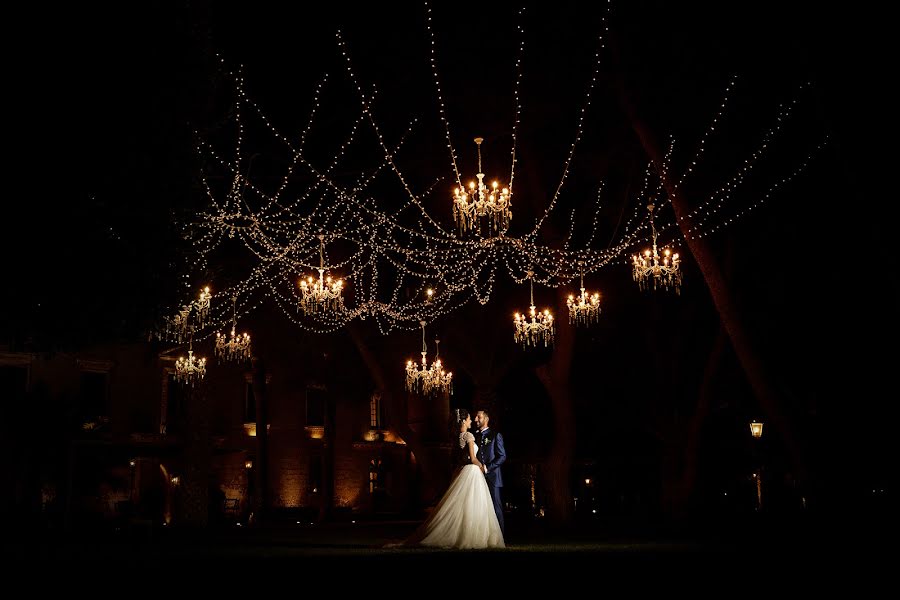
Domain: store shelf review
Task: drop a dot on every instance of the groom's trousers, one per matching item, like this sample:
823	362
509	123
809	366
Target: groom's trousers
498	508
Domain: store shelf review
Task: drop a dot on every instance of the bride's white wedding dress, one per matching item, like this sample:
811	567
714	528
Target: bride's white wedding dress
464	518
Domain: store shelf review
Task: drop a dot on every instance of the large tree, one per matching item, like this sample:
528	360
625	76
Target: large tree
755	369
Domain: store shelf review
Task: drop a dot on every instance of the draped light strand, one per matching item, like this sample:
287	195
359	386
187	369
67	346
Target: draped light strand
437	84
516	98
578	129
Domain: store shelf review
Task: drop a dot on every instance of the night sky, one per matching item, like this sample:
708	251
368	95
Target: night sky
107	100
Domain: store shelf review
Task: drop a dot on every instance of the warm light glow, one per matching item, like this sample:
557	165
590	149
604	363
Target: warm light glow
539	329
250	429
236	347
392	253
248	464
427	379
586	308
651	269
469	207
756	429
202	305
322	296
191	369
233	348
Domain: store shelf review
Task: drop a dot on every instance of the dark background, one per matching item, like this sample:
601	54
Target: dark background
105	101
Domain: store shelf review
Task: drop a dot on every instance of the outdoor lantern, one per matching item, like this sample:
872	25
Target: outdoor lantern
756	429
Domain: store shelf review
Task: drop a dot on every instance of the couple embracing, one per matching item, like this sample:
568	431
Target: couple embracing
470	514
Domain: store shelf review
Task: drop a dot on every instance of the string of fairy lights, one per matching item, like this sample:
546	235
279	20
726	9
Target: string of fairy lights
327	250
578	130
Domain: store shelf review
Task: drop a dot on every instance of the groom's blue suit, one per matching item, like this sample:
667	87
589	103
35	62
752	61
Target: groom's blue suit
492	454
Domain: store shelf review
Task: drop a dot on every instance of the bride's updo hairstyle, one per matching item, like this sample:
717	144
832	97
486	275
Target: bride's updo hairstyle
460	415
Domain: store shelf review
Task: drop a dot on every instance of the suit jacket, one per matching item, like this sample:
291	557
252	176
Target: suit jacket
492	454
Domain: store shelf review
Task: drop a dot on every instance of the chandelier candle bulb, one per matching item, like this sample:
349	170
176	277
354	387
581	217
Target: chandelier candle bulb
650	269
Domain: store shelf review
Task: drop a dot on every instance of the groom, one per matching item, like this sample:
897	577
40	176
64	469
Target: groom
491	454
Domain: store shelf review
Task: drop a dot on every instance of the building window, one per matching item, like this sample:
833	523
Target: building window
315	406
375	411
249	404
376	475
92	399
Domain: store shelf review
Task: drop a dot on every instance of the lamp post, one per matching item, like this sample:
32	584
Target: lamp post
756	430
132	465
251	489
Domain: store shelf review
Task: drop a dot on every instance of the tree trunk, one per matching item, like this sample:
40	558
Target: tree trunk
747	355
684	488
555	378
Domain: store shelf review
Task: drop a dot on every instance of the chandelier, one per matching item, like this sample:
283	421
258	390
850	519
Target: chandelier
481	201
584	309
650	267
323	295
236	347
191	369
177	326
202	305
428	379
539	329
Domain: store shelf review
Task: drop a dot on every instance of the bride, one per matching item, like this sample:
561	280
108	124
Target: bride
465	517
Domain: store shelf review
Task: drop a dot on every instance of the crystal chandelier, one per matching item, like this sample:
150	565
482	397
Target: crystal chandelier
584	309
651	268
202	305
428	379
236	347
177	326
481	201
323	295
539	329
191	369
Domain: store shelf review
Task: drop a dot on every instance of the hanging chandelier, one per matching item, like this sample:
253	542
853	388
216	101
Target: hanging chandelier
176	328
203	304
539	329
323	295
649	267
585	309
469	206
428	379
236	347
192	369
